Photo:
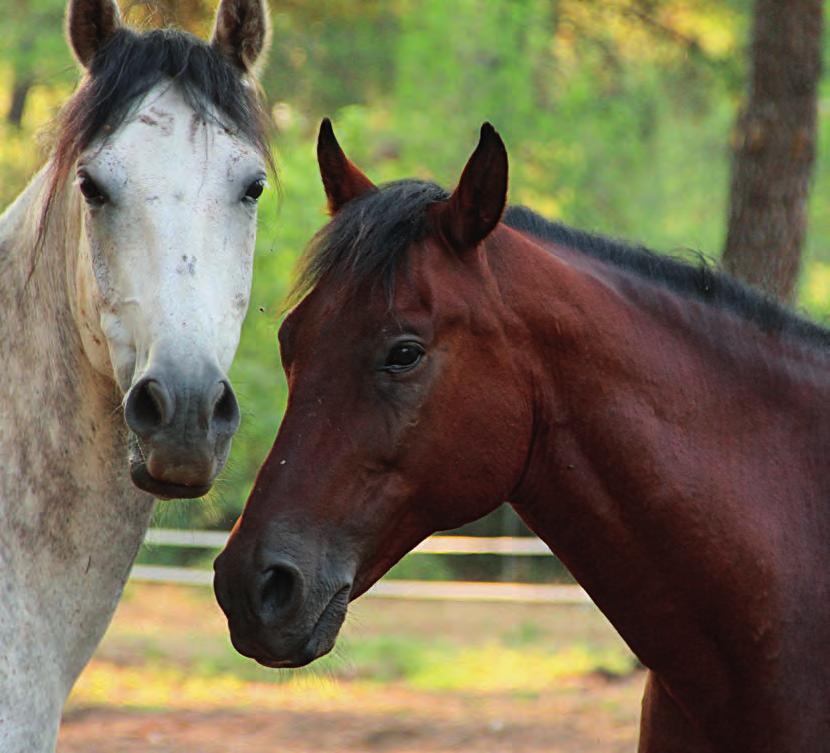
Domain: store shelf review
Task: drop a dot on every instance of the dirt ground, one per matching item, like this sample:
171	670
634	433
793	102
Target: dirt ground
590	713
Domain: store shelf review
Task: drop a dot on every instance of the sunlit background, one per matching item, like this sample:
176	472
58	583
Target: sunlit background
617	115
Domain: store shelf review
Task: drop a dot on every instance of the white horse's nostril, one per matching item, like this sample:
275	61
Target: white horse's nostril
217	395
224	409
149	407
163	401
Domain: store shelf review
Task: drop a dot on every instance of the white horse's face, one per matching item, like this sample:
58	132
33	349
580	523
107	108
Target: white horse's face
169	218
168	200
170	246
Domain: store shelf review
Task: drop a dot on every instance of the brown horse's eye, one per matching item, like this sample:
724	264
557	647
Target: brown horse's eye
90	190
403	357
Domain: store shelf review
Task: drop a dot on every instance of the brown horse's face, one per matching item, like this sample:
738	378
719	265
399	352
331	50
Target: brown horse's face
401	420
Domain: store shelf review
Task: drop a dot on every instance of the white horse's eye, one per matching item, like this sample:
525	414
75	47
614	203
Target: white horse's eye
254	191
91	191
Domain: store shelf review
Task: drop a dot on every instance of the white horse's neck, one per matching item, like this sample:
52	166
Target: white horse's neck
140	293
71	521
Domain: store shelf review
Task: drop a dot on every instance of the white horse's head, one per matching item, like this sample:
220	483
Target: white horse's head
166	144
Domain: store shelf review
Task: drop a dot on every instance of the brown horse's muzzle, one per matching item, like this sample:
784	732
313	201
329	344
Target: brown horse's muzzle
284	610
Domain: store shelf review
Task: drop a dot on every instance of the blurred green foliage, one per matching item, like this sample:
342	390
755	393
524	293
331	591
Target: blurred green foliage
617	115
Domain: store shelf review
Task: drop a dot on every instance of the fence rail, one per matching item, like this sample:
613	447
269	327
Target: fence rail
504	545
394	589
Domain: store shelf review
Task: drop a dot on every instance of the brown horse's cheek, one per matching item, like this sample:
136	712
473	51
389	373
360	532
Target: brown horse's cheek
463	477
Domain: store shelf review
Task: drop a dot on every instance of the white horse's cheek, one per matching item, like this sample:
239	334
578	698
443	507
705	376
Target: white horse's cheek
100	266
236	295
229	333
105	339
89	303
121	351
95	347
228	324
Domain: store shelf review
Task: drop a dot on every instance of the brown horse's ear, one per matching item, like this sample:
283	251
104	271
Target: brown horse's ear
242	33
476	205
341	179
89	26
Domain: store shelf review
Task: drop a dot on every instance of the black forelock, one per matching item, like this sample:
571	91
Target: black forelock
369	237
131	64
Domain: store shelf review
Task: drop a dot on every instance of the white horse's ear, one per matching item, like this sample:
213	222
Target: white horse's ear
89	26
242	32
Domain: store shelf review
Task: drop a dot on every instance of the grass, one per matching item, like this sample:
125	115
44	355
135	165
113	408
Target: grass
167	648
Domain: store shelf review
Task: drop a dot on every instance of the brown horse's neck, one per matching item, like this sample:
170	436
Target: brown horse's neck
677	453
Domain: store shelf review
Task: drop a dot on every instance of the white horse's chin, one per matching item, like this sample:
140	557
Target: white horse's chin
165	489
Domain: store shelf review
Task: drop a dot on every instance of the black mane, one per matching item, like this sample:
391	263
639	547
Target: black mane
700	281
367	241
127	67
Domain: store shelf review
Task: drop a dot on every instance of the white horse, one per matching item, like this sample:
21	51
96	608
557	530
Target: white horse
125	273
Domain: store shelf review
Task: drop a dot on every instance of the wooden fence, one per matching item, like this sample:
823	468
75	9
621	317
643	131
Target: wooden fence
389	588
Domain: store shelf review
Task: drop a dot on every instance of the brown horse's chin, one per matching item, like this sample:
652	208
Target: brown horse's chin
164	490
319	642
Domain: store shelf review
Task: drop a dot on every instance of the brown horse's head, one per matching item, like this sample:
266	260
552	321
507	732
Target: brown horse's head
408	409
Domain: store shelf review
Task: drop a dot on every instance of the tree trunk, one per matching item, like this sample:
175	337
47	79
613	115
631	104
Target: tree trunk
775	145
20	90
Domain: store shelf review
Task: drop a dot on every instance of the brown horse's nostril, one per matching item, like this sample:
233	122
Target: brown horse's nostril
280	592
149	407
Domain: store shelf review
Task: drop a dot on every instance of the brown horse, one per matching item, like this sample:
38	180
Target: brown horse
662	427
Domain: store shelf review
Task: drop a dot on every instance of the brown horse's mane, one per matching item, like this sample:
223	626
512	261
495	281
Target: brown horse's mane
701	280
369	237
368	241
128	66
